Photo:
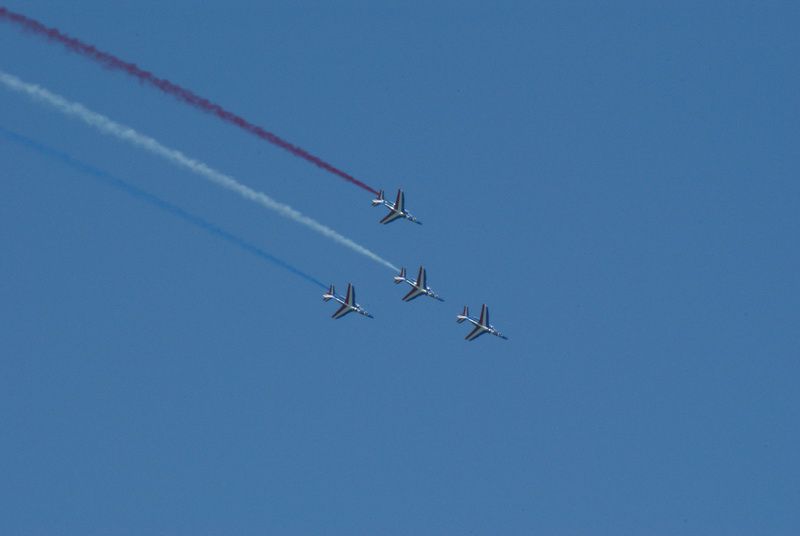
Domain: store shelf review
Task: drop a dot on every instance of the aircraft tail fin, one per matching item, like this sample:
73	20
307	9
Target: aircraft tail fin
400	278
378	200
328	295
463	316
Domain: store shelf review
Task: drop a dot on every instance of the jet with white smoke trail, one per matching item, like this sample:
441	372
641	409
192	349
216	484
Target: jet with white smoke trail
108	126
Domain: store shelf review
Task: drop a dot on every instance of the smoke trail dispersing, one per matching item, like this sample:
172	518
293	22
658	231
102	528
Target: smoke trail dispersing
109	60
125	133
159	203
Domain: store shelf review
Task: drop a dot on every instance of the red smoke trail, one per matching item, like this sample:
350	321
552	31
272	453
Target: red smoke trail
166	86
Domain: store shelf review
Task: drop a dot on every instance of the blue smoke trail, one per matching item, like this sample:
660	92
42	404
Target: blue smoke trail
132	190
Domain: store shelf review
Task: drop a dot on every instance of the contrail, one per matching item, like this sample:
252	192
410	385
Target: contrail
187	96
157	202
107	126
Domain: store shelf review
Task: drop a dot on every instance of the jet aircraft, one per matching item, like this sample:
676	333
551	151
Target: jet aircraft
418	288
348	302
481	324
396	209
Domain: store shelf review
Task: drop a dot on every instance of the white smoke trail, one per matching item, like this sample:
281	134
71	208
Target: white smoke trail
107	126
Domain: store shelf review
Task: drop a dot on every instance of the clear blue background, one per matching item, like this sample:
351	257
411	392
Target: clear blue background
618	182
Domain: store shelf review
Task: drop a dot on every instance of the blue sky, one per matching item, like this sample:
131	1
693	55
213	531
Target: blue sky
617	182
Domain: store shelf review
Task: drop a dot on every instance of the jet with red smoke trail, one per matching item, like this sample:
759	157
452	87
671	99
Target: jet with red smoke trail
396	209
201	103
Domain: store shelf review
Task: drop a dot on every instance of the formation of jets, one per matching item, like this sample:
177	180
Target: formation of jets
419	287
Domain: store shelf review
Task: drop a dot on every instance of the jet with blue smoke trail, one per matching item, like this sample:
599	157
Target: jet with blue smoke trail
157	202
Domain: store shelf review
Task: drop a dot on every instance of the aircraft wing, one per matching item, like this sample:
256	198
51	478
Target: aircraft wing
343	310
350	297
400	202
422	279
475	333
484	318
389	218
413	293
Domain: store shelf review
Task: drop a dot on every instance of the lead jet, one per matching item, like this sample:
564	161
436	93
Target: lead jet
349	304
481	324
418	288
396	209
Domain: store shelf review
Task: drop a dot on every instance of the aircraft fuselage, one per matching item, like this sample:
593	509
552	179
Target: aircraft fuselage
425	290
